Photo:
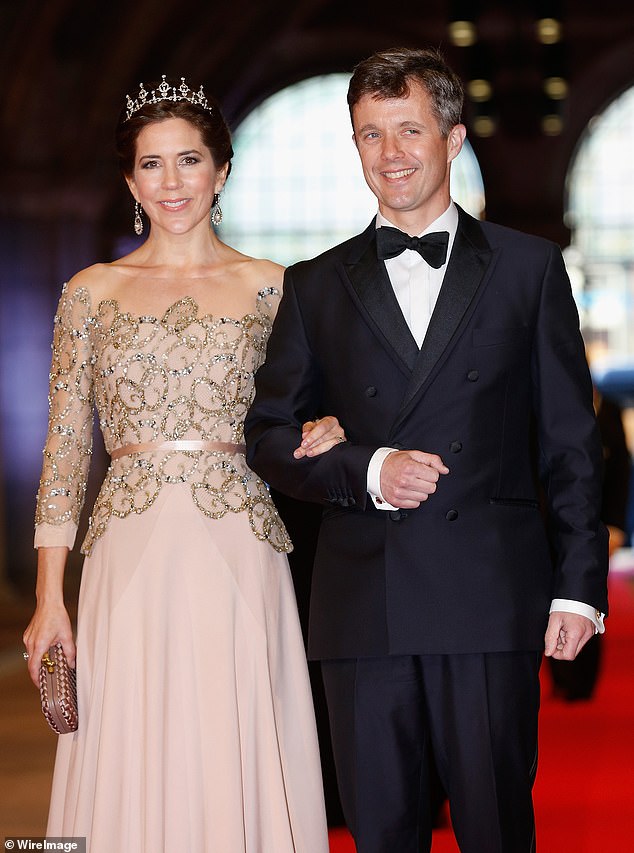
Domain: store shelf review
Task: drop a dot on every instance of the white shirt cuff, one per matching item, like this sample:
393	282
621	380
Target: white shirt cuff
374	477
566	605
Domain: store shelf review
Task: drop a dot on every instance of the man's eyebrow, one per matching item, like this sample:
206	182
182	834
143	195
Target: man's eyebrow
406	123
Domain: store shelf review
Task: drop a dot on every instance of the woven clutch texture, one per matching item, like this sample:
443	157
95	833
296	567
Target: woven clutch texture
58	691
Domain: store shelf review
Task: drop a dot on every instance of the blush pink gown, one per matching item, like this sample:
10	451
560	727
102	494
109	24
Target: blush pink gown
196	725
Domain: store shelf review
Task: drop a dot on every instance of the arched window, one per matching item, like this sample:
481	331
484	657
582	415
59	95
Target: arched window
297	187
600	213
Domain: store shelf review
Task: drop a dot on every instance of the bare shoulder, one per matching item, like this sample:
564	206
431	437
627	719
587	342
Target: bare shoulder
259	273
95	279
254	282
271	270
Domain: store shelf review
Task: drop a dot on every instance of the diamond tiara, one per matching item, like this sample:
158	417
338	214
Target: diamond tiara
165	92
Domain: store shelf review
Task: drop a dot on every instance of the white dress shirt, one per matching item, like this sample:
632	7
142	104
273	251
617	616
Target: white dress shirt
416	287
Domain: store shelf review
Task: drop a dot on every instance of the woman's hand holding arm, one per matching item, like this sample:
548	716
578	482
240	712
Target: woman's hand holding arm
319	437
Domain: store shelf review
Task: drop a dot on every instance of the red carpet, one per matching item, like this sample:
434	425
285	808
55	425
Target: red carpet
584	793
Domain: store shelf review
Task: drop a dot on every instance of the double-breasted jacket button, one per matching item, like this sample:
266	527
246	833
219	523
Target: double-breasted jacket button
396	514
455	446
370	391
452	515
473	375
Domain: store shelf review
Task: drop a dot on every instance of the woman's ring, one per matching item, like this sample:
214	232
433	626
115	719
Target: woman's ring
26	655
341	438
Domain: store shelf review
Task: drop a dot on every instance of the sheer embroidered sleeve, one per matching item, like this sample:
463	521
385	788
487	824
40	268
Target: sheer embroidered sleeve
69	439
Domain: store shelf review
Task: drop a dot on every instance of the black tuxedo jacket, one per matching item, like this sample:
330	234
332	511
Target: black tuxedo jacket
500	390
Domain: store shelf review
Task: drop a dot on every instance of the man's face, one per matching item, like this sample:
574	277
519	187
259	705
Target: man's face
405	158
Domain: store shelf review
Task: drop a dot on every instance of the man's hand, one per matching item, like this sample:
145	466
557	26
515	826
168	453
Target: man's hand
567	634
409	477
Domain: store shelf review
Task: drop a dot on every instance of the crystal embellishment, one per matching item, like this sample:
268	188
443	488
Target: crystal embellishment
180	376
165	92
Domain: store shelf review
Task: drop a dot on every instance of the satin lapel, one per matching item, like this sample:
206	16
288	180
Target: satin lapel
372	286
466	269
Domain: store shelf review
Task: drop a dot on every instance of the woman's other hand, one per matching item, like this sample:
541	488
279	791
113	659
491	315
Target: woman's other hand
48	626
50	623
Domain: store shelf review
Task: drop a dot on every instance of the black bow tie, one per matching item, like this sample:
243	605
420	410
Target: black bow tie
390	242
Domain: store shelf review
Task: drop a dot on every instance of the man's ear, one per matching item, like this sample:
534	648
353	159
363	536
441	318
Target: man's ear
455	140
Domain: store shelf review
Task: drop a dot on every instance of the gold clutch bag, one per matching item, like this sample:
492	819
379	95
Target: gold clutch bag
58	691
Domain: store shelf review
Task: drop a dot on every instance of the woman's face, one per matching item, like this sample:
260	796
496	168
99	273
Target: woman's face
175	177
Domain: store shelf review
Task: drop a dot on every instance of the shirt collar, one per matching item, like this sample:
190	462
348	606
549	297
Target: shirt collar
447	221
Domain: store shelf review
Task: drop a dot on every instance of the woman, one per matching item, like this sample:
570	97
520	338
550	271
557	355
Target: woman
196	726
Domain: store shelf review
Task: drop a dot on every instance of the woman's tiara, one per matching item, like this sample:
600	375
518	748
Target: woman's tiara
165	92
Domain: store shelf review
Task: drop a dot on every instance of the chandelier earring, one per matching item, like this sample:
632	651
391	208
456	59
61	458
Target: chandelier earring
138	221
216	211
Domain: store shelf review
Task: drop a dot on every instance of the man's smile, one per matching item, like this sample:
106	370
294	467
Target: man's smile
402	173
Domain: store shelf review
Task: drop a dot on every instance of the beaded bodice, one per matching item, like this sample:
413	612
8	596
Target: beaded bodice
178	377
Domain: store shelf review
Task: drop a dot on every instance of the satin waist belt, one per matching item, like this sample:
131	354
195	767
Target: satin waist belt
186	444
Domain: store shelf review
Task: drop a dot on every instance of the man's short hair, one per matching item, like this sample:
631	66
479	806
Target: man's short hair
389	74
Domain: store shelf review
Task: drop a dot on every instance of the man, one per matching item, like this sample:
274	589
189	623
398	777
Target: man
462	385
